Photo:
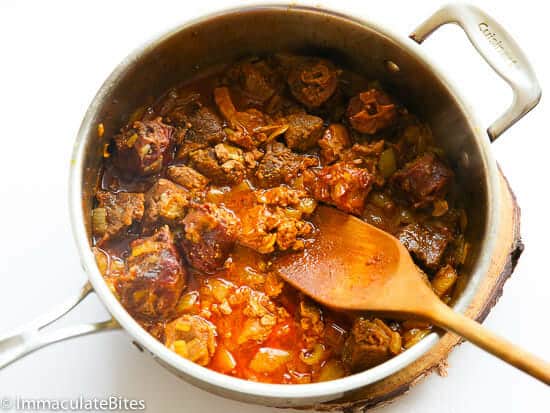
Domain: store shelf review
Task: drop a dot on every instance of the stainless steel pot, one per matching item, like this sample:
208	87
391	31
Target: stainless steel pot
367	47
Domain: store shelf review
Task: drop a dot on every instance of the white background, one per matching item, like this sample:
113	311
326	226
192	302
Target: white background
54	56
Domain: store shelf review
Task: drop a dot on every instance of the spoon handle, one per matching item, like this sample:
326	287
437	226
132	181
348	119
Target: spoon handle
475	333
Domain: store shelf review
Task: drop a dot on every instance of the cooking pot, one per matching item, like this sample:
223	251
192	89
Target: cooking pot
365	46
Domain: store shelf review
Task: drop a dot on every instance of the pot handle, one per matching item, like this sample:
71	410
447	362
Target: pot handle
499	49
31	337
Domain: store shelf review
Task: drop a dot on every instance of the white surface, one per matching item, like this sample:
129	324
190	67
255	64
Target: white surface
55	55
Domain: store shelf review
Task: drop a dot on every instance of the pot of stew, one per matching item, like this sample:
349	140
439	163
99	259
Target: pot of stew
204	155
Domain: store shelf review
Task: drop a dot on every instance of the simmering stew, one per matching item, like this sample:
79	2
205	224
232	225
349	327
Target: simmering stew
202	188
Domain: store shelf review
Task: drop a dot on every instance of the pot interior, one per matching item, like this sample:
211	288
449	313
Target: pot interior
265	30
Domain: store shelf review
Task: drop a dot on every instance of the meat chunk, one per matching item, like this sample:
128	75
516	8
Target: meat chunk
280	165
311	322
199	124
370	343
175	106
252	157
312	81
255	78
275	220
165	203
249	128
192	337
281	105
225	152
369	156
144	148
426	242
423	180
286	197
291	234
334	141
303	131
224	164
115	212
186	147
210	233
155	277
264	228
273	285
342	184
204	125
371	111
187	177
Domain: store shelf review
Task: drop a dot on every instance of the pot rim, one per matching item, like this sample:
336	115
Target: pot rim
324	390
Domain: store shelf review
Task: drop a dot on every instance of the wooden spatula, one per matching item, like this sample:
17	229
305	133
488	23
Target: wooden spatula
355	266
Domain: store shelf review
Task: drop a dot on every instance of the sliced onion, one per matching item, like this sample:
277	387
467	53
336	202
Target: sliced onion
99	220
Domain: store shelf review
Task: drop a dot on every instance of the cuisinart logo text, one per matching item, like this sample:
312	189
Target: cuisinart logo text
496	42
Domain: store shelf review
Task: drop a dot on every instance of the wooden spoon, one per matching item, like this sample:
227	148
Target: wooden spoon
352	265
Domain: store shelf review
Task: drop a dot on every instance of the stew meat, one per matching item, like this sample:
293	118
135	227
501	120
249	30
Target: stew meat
202	189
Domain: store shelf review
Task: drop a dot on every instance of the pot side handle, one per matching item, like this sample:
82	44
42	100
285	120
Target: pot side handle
32	336
498	49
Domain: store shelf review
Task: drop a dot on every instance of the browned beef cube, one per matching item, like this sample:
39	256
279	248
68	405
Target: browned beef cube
197	123
165	203
155	277
334	141
370	343
280	165
186	147
206	162
371	111
303	131
424	180
210	233
426	242
205	126
187	177
192	337
252	157
342	184
115	212
312	81
256	79
223	165
144	148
